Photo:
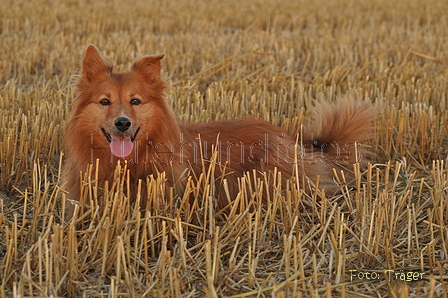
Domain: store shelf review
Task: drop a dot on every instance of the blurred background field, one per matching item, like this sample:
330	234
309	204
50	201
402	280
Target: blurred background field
230	59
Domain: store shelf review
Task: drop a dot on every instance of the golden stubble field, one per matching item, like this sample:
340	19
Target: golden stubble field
230	59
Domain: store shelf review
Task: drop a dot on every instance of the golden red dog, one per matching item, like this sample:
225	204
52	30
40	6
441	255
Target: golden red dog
124	116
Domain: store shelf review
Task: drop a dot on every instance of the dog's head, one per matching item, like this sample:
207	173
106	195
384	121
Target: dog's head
118	107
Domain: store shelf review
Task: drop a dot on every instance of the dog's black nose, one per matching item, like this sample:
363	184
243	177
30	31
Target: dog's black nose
122	123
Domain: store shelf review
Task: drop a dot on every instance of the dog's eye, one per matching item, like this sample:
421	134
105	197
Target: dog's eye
135	101
104	102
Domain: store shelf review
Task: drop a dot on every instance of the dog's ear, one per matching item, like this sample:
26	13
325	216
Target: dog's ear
94	64
149	67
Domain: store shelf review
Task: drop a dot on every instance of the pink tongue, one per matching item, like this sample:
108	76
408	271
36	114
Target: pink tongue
121	146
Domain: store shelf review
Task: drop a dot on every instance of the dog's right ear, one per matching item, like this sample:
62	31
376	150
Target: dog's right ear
149	67
94	64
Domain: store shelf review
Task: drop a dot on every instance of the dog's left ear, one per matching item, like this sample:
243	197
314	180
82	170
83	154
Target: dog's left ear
149	66
94	64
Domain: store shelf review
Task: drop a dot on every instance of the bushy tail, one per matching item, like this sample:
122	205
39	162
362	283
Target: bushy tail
339	130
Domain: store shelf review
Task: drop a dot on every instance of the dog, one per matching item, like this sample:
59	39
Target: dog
126	117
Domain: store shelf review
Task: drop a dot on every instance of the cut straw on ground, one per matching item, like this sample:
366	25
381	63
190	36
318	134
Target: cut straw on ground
226	60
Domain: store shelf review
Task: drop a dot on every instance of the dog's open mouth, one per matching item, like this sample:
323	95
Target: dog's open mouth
121	145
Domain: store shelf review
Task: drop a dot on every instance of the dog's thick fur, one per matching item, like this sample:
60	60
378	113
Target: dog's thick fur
124	116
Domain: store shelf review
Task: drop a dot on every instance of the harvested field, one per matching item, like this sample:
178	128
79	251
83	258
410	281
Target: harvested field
269	59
